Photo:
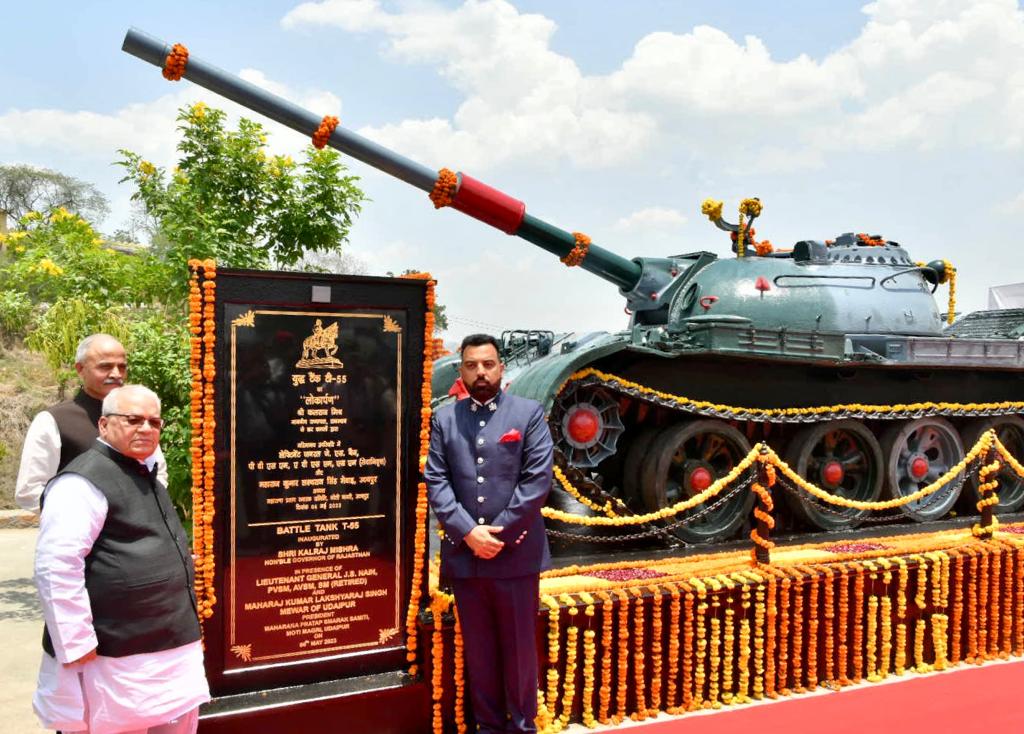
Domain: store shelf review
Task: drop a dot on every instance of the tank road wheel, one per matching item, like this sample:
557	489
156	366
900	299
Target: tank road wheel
843	458
916	454
1010	430
684	460
588	426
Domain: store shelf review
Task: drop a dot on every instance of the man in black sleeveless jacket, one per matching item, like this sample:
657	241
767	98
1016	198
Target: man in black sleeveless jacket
114	573
63	431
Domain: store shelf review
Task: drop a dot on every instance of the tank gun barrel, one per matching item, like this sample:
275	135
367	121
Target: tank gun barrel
470	196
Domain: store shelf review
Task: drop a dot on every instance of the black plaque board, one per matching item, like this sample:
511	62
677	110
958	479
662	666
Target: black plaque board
318	408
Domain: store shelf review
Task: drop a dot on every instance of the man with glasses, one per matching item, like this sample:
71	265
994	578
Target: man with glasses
115	578
63	431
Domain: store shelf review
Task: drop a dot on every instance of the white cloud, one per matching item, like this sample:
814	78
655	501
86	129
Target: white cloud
921	75
1011	206
656	218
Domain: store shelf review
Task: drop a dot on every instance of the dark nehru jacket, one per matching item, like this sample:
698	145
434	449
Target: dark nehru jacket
139	573
76	422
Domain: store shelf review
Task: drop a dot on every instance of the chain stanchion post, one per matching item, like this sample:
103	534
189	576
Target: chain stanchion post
764	522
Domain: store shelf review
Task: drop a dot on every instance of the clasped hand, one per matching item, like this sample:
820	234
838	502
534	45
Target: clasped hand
482	542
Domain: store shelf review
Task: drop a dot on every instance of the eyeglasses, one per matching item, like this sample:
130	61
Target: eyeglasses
135	421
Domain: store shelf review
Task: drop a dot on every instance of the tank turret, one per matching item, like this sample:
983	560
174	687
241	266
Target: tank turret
832	351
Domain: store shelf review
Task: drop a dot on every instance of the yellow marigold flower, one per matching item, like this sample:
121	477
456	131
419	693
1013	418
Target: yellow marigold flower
263	138
199	110
146	168
19	249
97	241
50	267
16	236
712	209
32	217
60	214
751	207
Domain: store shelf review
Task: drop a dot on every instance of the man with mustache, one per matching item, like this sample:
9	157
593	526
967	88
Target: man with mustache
63	431
488	473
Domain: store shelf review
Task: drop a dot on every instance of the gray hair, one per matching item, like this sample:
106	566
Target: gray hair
111	403
83	346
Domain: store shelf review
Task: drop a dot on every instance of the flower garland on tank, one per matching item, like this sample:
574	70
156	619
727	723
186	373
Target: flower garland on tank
589	657
443	192
203	372
638	655
324	132
420	536
795	415
175	63
988	483
578	253
605	691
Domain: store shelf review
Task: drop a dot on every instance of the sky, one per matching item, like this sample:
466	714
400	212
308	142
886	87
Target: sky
903	118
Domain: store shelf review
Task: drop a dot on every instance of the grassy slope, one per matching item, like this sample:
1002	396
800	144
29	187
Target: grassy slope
26	387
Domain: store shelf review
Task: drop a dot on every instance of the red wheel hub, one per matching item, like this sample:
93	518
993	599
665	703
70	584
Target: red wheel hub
700	479
918	467
833	473
584	425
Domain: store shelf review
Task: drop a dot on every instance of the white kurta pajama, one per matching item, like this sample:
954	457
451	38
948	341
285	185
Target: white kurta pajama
107	694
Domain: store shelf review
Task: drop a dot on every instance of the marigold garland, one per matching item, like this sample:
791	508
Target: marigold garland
589	657
605	691
656	661
324	132
671	699
175	63
689	632
460	677
578	253
623	657
443	192
994	605
638	656
202	369
438	606
700	655
420	536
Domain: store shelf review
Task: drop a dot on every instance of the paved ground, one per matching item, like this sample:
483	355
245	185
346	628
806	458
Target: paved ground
20	628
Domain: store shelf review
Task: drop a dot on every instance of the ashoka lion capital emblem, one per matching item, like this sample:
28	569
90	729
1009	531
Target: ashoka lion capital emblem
319	348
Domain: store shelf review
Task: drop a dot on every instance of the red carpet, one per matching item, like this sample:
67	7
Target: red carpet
966	700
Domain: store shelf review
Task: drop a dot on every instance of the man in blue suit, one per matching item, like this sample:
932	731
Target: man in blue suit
488	474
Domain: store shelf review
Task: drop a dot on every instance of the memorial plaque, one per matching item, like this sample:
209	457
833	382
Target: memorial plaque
315	409
319	394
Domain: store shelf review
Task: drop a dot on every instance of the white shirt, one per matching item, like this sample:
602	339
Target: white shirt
40	457
115	694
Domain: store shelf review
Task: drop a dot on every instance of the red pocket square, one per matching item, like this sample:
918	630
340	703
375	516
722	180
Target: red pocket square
511	437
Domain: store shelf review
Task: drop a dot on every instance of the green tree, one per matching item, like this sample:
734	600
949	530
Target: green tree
229	201
25	189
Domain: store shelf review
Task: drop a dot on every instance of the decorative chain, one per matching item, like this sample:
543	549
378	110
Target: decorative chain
593	377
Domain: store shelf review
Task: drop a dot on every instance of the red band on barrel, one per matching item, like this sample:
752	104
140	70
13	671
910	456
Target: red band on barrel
489	205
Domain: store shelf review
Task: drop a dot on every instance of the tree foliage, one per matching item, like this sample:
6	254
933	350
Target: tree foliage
226	200
229	201
25	189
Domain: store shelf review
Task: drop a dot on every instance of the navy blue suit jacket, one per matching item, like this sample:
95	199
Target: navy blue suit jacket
476	478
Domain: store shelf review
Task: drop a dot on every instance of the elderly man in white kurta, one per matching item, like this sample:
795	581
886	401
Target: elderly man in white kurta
122	650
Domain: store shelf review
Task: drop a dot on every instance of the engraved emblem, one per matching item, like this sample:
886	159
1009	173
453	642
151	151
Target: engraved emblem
386	634
319	348
391	325
244	652
246	319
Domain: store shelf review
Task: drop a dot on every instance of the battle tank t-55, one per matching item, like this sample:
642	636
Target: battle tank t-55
832	352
